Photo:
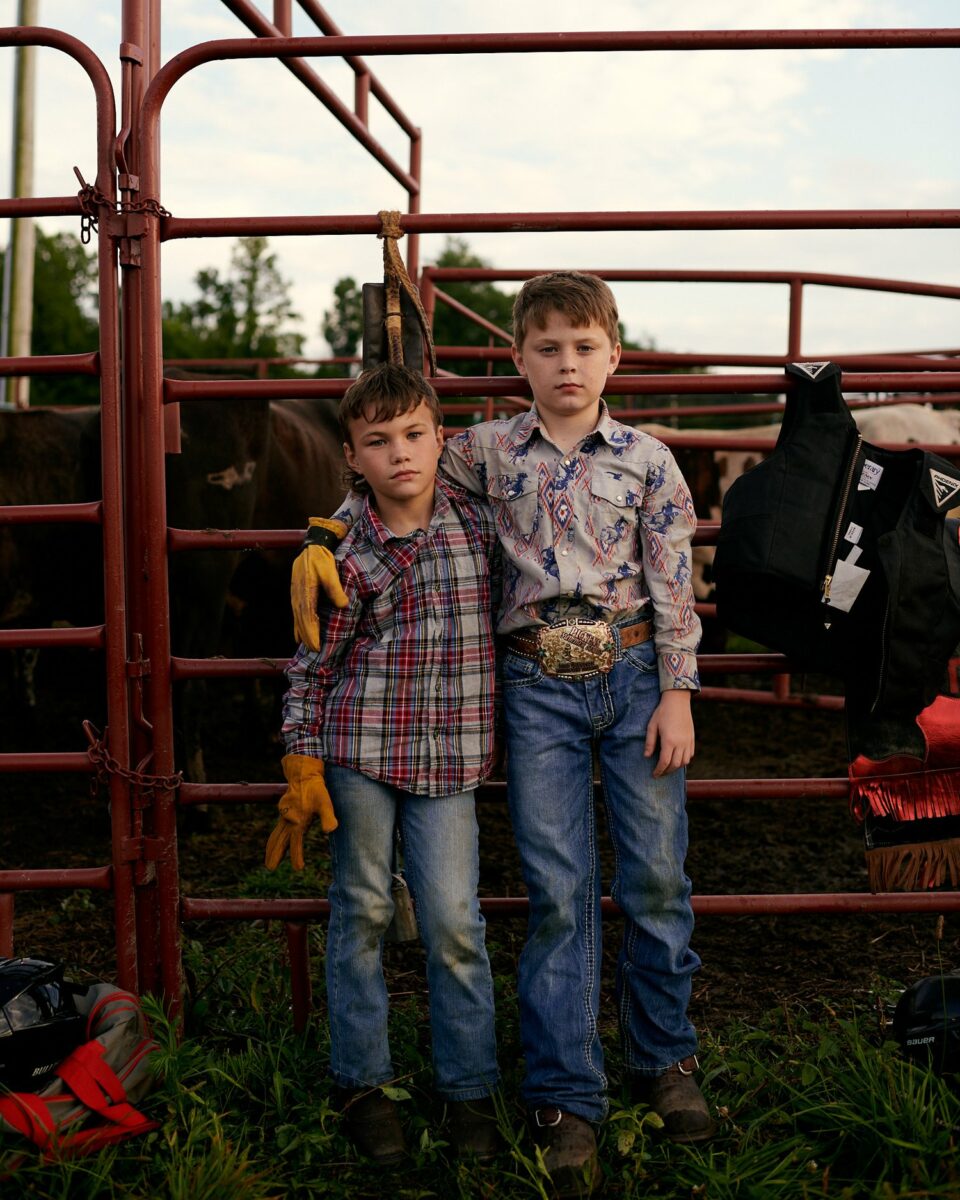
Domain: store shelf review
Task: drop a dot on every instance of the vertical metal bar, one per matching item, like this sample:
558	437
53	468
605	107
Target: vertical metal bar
282	17
136	15
158	894
361	96
156	614
794	333
114	596
299	951
6	924
152	41
416	170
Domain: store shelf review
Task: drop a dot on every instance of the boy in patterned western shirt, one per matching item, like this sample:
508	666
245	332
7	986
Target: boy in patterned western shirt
394	708
600	638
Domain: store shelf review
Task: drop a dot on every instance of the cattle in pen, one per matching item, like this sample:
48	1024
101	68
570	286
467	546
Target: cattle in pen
255	464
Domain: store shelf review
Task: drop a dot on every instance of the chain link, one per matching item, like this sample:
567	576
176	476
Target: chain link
92	200
106	765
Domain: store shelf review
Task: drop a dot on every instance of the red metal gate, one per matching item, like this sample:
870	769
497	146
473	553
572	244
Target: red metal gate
138	759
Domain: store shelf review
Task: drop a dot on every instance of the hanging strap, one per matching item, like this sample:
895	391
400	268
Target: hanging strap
395	279
30	1115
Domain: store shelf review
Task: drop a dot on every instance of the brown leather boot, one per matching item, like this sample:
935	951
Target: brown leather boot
372	1124
473	1128
569	1148
676	1097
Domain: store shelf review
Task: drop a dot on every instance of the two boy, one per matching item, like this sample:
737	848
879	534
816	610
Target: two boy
392	711
599	639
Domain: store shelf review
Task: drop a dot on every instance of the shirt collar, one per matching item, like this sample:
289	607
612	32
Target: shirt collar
607	427
604	428
381	535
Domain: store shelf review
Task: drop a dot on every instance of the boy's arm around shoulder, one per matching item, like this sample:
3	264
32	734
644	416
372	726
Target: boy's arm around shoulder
310	674
459	464
314	571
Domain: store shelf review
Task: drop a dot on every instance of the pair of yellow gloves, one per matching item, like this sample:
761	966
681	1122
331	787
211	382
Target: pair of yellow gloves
306	797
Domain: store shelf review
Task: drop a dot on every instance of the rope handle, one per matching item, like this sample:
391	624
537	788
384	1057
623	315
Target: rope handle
395	279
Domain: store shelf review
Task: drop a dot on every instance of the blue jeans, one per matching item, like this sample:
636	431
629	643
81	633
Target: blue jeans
553	726
441	866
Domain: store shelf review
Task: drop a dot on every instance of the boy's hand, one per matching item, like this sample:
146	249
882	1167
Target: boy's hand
671	725
315	569
306	797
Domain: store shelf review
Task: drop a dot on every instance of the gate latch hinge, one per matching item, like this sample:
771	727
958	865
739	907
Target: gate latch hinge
127	228
140	849
137	668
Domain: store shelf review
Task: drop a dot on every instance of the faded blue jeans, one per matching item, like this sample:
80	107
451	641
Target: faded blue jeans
553	726
441	866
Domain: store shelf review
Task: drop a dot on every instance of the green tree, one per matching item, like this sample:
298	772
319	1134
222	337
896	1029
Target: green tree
64	315
245	313
342	325
452	328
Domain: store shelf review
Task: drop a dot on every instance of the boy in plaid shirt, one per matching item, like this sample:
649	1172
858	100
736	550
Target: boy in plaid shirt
394	714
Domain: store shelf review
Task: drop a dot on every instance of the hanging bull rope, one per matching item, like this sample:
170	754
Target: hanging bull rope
395	280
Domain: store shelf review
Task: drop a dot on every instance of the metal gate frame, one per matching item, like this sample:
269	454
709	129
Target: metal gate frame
144	871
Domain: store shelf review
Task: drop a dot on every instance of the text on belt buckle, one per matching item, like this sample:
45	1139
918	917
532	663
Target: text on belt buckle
576	649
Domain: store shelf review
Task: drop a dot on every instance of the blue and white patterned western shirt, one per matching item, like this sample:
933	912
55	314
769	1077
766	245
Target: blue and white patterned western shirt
598	531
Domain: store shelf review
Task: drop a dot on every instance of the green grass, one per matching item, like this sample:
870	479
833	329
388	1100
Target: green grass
812	1102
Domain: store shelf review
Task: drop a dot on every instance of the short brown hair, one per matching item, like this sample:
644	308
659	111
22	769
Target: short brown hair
380	394
582	298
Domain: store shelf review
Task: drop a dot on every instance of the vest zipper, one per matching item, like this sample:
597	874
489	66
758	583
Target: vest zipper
845	495
883	657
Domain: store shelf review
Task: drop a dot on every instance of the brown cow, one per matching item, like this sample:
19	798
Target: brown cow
243	465
48	573
303	476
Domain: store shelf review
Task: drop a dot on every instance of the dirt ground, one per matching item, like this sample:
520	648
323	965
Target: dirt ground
751	963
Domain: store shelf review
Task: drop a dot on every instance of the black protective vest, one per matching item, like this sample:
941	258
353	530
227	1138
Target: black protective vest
835	552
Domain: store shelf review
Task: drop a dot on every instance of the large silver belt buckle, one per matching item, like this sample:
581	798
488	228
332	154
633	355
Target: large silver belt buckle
577	649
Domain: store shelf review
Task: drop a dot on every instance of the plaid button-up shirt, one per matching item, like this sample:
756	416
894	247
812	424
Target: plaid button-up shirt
598	531
402	688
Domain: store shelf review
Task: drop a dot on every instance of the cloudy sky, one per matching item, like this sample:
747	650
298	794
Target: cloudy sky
707	130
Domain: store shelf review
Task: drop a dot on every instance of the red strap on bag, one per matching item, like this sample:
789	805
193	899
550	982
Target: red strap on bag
97	1087
30	1115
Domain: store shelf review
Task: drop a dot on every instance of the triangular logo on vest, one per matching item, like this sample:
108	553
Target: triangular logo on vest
944	487
811	369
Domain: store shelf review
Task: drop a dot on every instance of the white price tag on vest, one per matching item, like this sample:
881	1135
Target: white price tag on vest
869	476
846	585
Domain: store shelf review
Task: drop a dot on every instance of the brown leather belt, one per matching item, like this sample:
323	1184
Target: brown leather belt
578	648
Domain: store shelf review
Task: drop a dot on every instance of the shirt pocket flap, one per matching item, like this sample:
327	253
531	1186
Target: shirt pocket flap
617	492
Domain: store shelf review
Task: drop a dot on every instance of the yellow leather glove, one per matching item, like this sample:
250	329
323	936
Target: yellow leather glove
306	797
314	569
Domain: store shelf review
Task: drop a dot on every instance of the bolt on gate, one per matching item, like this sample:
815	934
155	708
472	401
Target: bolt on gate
139	423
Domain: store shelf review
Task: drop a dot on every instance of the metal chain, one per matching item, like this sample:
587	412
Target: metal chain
92	200
106	765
